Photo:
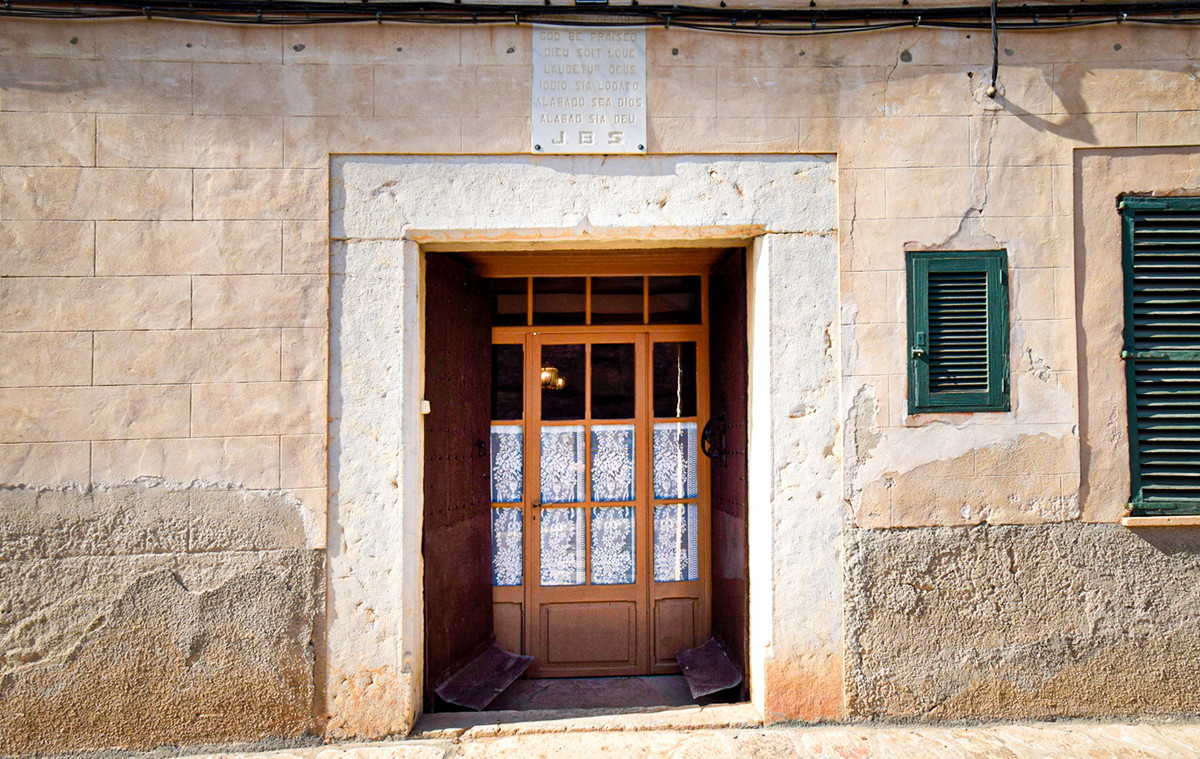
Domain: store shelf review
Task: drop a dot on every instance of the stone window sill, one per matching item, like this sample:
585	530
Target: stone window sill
1184	520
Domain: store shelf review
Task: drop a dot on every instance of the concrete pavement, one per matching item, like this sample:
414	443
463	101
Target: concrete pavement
597	738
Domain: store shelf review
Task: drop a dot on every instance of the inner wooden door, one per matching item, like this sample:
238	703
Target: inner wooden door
600	514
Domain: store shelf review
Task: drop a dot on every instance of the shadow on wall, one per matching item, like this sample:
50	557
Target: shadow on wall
140	615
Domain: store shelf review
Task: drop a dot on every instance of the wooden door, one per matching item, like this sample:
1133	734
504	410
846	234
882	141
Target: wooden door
455	543
601	540
587	569
730	573
601	544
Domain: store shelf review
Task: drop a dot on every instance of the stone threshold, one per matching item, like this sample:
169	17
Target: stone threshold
498	724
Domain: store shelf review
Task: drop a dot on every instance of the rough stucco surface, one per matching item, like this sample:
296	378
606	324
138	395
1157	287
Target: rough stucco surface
137	615
1011	622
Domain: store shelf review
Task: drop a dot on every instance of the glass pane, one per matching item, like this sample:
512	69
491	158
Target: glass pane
510	305
508	396
674	379
613	381
508	463
565	400
562	464
617	300
674	300
559	300
506	546
612	462
675	460
563	552
612	545
676	542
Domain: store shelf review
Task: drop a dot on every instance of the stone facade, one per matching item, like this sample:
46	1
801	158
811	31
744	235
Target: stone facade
177	243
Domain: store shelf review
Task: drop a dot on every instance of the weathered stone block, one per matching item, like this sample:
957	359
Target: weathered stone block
94	303
305	247
309	140
47	139
184	356
190	42
32	38
261	89
302	461
896	142
45	359
305	354
35	415
189	141
261	193
259	408
668	134
55	193
46	248
295	300
930	192
493	135
384	44
433	91
95	86
1021	622
496	44
44	463
187	247
682	92
862	197
250	462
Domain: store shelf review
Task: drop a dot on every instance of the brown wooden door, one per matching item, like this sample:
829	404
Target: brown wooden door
455	538
730	573
611	518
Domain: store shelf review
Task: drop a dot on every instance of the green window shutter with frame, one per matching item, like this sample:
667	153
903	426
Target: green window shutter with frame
957	331
1161	262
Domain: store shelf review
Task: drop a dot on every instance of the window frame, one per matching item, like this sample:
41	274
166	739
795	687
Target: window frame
994	264
1129	206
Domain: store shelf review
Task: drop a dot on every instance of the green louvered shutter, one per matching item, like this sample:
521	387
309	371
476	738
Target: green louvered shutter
1162	352
957	331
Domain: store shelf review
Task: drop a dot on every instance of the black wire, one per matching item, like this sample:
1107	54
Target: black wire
995	52
788	21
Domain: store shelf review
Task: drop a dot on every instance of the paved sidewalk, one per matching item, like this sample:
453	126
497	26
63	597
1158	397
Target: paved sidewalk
571	739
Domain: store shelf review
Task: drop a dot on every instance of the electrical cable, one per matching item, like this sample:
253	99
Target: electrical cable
991	90
786	21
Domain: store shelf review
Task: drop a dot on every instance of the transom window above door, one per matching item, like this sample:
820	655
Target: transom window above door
609	300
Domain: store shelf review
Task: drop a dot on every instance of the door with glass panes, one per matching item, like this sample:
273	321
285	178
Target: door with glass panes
600	514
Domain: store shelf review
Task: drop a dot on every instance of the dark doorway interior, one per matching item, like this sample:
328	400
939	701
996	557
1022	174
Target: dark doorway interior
456	541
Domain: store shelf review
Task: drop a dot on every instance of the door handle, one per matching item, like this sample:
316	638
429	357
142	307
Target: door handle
712	437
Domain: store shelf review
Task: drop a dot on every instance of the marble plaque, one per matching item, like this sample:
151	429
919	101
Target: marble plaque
589	90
